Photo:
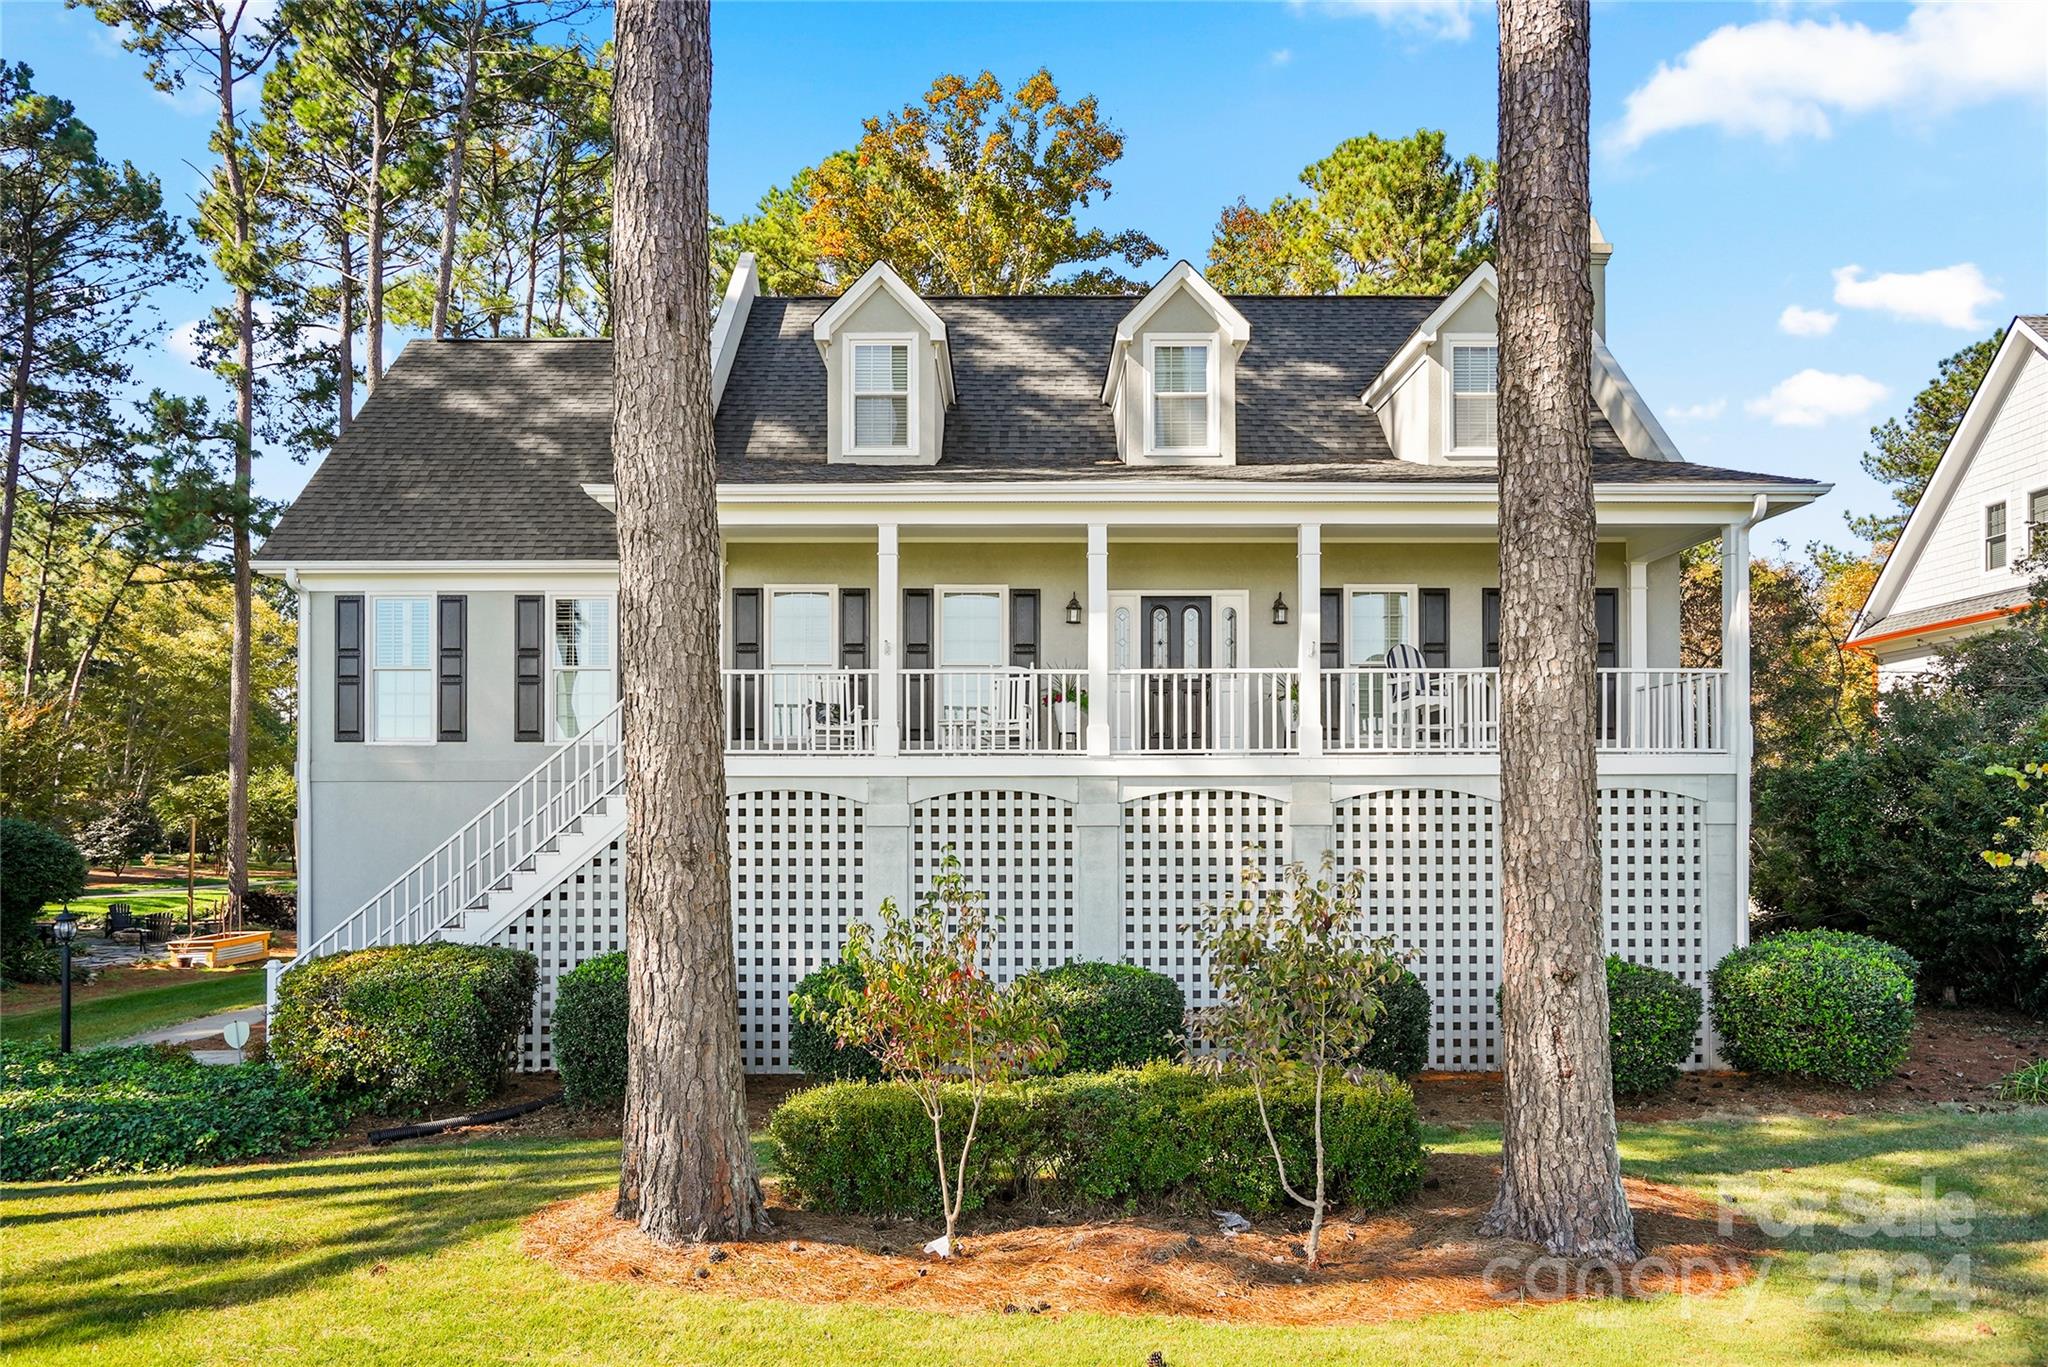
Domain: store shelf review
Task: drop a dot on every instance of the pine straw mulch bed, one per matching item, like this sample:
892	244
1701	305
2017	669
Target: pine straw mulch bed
1423	1258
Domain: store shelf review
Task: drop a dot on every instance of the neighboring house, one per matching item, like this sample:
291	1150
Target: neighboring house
1960	564
1097	593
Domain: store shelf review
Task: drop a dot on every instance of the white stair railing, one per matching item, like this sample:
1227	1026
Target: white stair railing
507	835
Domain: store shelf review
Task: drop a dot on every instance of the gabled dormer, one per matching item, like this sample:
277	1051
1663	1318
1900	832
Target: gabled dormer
888	374
1172	381
1437	399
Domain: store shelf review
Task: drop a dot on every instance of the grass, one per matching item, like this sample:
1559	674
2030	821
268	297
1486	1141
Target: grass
410	1256
128	1001
158	897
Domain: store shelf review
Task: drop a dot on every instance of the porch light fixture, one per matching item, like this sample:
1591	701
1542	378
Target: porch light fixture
1074	610
1280	609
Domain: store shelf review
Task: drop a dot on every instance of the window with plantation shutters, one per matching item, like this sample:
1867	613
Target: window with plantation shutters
1475	396
881	396
1181	398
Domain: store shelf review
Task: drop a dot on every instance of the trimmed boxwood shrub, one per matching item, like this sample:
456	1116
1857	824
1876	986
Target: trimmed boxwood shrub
1810	1005
141	1109
405	1027
1161	1134
1860	944
1400	1038
590	1031
1114	1015
37	866
1653	1020
814	1050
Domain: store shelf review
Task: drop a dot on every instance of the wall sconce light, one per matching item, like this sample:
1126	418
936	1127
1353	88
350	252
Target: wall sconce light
1074	610
1279	609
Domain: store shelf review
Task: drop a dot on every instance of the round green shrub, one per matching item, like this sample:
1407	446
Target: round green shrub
1113	1015
405	1027
1813	1007
590	1031
37	866
1400	1037
1652	1022
814	1050
1868	945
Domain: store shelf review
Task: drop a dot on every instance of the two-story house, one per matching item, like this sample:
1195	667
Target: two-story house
1097	593
1961	564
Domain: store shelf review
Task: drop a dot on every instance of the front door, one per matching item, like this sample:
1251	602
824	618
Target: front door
1176	636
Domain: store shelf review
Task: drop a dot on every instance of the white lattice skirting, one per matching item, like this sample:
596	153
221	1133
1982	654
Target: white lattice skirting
805	870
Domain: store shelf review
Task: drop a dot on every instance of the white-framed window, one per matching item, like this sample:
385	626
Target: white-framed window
1994	537
2037	523
402	671
800	634
582	655
1378	617
970	627
1475	395
881	396
1181	396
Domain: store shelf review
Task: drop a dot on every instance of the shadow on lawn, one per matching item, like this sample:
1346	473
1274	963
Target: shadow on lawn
452	1195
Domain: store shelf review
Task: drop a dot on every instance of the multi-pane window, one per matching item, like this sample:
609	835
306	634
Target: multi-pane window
1994	537
582	662
401	670
881	396
1475	397
1180	397
800	629
1379	621
2037	524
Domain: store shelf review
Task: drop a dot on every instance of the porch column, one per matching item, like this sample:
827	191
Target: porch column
1101	716
1638	614
1735	668
888	663
1308	592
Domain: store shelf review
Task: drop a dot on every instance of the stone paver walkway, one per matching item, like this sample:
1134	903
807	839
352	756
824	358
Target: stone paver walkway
200	1029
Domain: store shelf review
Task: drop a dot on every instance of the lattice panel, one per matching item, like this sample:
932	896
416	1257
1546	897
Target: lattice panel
1654	849
1429	857
1019	849
582	917
1183	852
797	864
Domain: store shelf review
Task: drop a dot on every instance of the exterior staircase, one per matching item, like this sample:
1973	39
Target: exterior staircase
510	855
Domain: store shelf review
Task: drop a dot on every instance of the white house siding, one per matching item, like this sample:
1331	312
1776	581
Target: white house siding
1103	868
2011	461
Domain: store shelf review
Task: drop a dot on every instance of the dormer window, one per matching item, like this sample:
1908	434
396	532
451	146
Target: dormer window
882	395
1475	396
1183	393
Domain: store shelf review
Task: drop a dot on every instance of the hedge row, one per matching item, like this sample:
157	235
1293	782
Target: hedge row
1161	1134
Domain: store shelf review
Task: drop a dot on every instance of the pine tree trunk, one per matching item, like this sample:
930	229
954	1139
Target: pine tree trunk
686	1171
17	419
1560	1174
373	284
239	690
345	343
458	148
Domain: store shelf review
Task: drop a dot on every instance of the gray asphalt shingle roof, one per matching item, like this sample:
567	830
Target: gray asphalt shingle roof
479	450
1995	601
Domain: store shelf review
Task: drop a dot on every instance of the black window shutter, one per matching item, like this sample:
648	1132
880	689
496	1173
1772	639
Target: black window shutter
1489	626
1333	628
1024	628
348	667
853	628
451	669
529	682
1607	623
746	628
917	654
1435	628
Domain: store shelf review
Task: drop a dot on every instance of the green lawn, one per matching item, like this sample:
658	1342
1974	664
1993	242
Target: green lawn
410	1256
102	1019
158	897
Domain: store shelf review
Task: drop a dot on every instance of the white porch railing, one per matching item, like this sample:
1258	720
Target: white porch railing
1204	711
1375	709
976	711
1663	710
800	711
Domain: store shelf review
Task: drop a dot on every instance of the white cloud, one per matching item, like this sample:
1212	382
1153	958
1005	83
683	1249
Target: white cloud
1804	322
1780	78
1951	295
1811	397
183	342
1697	412
1450	20
1279	56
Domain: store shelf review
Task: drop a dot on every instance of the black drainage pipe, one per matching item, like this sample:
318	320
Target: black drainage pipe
456	1122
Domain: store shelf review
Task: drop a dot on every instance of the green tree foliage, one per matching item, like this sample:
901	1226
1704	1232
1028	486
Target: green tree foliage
1904	452
41	867
1379	216
960	192
1299	999
122	834
273	806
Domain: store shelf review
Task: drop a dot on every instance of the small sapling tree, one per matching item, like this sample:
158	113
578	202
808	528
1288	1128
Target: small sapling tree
934	1018
1298	992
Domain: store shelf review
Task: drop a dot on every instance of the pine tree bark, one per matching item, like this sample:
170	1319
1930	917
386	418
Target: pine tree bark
374	229
239	680
1560	1173
686	1171
17	409
458	149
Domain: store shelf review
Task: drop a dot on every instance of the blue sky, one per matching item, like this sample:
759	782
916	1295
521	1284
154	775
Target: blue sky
1881	171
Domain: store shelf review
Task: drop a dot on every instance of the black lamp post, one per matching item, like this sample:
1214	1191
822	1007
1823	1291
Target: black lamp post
65	929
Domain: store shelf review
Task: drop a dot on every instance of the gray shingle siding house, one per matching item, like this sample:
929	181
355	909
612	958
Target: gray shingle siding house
1096	593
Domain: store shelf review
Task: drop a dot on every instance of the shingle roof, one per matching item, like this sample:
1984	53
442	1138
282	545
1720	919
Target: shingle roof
1998	600
478	450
